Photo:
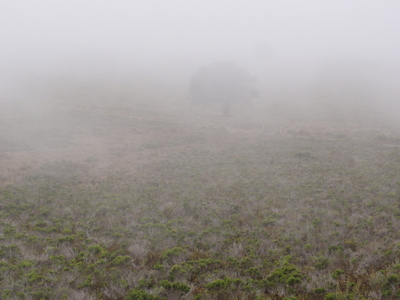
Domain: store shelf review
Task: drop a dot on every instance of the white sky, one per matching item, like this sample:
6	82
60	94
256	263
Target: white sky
47	32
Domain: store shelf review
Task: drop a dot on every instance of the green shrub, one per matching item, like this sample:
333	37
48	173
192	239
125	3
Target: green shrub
172	252
393	278
40	224
9	230
321	263
253	272
331	296
269	221
287	274
293	280
335	248
352	244
119	260
88	281
177	269
140	295
174	286
41	295
221	284
95	249
6	294
337	273
34	276
319	290
25	264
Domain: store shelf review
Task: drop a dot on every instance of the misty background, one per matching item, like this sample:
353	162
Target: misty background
304	53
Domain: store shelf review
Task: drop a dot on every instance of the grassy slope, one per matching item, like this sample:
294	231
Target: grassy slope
158	203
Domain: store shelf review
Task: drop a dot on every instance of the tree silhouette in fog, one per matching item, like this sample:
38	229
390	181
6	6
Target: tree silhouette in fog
222	83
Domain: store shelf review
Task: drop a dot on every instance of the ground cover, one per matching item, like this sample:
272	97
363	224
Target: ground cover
153	203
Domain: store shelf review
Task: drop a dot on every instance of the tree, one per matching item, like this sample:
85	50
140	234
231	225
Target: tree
224	83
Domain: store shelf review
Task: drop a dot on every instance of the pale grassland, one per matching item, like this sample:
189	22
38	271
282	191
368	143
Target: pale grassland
175	202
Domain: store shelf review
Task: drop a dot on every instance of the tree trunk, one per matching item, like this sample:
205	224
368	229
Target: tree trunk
226	108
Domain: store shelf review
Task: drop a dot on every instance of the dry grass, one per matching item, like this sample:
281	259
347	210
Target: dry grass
98	202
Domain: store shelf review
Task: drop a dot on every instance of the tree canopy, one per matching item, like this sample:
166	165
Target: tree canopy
222	82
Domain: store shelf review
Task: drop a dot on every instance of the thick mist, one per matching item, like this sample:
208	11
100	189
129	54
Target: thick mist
301	51
215	149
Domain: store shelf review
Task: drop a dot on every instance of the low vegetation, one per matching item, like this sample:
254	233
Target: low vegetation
296	216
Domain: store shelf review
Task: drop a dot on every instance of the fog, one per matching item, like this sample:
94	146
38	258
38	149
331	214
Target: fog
298	49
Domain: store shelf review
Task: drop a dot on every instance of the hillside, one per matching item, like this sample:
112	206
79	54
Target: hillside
169	201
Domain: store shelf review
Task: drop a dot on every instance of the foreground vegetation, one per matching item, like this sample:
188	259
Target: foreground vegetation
309	215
